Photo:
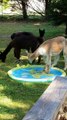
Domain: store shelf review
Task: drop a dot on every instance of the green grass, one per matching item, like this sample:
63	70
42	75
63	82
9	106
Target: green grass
17	98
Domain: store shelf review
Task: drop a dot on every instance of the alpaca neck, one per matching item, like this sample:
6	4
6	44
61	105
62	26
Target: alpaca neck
40	39
34	55
6	51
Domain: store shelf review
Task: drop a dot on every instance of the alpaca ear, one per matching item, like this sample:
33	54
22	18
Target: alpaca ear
28	54
39	30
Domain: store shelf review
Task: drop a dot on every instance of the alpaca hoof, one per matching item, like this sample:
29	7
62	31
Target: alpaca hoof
46	72
47	69
18	61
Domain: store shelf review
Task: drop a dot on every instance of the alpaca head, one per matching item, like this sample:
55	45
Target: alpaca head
41	33
41	36
30	59
2	57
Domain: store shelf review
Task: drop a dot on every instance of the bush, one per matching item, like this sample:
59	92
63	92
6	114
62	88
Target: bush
11	17
20	18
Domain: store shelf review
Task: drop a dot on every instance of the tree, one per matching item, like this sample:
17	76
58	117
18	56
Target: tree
47	7
59	12
24	8
27	4
22	5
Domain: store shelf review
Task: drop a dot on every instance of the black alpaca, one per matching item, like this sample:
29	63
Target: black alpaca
23	40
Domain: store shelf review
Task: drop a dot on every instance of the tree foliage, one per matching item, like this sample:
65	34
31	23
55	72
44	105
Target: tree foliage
59	12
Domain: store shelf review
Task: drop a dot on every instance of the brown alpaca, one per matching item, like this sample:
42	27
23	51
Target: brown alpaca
49	48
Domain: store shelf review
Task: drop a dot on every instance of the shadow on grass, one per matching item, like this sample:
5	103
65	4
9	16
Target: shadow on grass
18	97
22	91
8	113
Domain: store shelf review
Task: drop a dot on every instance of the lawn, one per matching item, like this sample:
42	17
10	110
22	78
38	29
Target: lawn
17	98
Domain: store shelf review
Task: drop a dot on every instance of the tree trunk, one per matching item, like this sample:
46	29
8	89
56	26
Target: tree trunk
47	7
24	10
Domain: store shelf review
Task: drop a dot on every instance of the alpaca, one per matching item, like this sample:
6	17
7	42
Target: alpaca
23	40
49	48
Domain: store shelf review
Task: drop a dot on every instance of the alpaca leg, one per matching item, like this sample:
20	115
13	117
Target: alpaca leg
65	60
39	59
65	55
48	63
32	50
17	53
56	59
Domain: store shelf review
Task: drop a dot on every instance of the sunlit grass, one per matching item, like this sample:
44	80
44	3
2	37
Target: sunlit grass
7	102
6	116
17	98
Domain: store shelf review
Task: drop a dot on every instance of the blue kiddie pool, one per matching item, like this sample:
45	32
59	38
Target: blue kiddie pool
34	73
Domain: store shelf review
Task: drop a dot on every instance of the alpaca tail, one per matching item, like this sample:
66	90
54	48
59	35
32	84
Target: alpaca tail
5	52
